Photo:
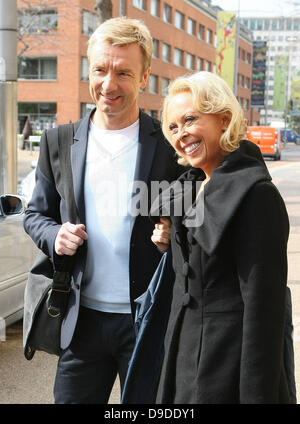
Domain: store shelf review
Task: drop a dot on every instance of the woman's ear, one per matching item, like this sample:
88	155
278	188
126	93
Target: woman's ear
226	118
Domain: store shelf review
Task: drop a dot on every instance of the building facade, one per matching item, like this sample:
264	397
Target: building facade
53	66
282	35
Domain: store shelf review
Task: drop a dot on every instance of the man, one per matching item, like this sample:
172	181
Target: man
114	147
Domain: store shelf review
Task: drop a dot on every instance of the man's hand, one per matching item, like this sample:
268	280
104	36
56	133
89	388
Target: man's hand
162	234
69	238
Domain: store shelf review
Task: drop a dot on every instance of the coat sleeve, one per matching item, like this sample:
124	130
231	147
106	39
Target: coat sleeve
261	235
42	216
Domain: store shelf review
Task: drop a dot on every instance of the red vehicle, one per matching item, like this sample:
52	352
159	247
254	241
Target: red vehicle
268	139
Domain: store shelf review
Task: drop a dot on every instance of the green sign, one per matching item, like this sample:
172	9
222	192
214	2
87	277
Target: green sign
280	82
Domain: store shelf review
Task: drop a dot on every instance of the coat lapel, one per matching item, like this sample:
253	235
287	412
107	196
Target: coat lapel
78	157
146	149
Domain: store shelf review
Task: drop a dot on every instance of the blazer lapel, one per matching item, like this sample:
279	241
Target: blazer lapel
78	157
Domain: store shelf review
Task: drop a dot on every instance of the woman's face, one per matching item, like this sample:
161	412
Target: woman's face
195	135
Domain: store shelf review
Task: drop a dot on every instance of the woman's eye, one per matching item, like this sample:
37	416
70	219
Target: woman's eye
172	127
189	118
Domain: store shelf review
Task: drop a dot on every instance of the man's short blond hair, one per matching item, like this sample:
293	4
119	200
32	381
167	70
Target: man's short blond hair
122	31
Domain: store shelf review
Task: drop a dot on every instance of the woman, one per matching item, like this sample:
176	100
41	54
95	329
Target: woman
224	339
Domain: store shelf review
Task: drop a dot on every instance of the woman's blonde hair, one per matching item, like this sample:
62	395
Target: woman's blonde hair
211	94
122	31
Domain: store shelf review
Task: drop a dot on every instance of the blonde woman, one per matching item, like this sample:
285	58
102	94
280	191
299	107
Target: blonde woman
224	339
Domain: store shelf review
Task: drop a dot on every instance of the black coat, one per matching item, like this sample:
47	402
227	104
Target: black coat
224	340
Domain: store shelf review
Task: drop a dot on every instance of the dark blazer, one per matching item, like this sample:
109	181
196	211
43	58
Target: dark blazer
47	209
225	337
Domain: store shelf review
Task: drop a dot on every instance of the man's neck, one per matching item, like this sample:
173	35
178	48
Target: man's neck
113	122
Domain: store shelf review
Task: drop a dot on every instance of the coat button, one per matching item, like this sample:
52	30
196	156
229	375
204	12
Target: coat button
185	269
186	299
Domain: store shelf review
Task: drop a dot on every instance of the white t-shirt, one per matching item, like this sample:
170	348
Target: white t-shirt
109	175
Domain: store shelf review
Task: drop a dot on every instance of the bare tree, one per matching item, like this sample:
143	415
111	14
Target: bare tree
103	9
35	20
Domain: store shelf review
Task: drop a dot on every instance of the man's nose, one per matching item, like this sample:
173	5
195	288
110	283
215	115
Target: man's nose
109	82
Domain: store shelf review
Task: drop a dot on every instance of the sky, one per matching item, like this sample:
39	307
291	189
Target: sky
261	7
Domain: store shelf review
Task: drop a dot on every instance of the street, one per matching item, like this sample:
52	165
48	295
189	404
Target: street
31	382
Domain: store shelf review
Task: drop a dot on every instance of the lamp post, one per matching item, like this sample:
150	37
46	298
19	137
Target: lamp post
8	96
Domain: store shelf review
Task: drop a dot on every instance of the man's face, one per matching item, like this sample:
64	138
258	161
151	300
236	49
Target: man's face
116	76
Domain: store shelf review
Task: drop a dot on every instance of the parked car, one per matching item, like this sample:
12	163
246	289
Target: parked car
17	253
268	140
291	136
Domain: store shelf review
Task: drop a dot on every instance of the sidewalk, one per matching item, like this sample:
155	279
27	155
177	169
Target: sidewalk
25	157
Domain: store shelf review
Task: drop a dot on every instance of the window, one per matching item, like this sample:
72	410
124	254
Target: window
84	69
247	83
246	104
32	21
249	58
155	53
122	8
209	36
208	66
190	60
191	26
153	84
267	25
140	4
41	115
37	68
242	81
164	86
166	50
167	13
89	22
85	109
179	20
153	113
199	64
178	57
154	7
201	32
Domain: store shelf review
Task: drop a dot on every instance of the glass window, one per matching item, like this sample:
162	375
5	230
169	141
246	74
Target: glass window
41	115
199	64
153	84
166	51
167	13
209	36
266	24
153	114
179	20
84	69
178	57
259	24
89	22
140	4
164	86
249	58
252	24
208	66
155	53
154	7
85	109
191	26
41	68
201	32
122	7
274	24
37	21
190	59
289	24
296	25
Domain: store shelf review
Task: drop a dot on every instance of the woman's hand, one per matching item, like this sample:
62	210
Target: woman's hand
162	234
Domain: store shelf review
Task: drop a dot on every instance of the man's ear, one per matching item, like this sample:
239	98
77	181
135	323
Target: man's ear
145	77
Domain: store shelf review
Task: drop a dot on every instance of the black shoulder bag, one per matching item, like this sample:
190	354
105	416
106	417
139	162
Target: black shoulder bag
47	290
